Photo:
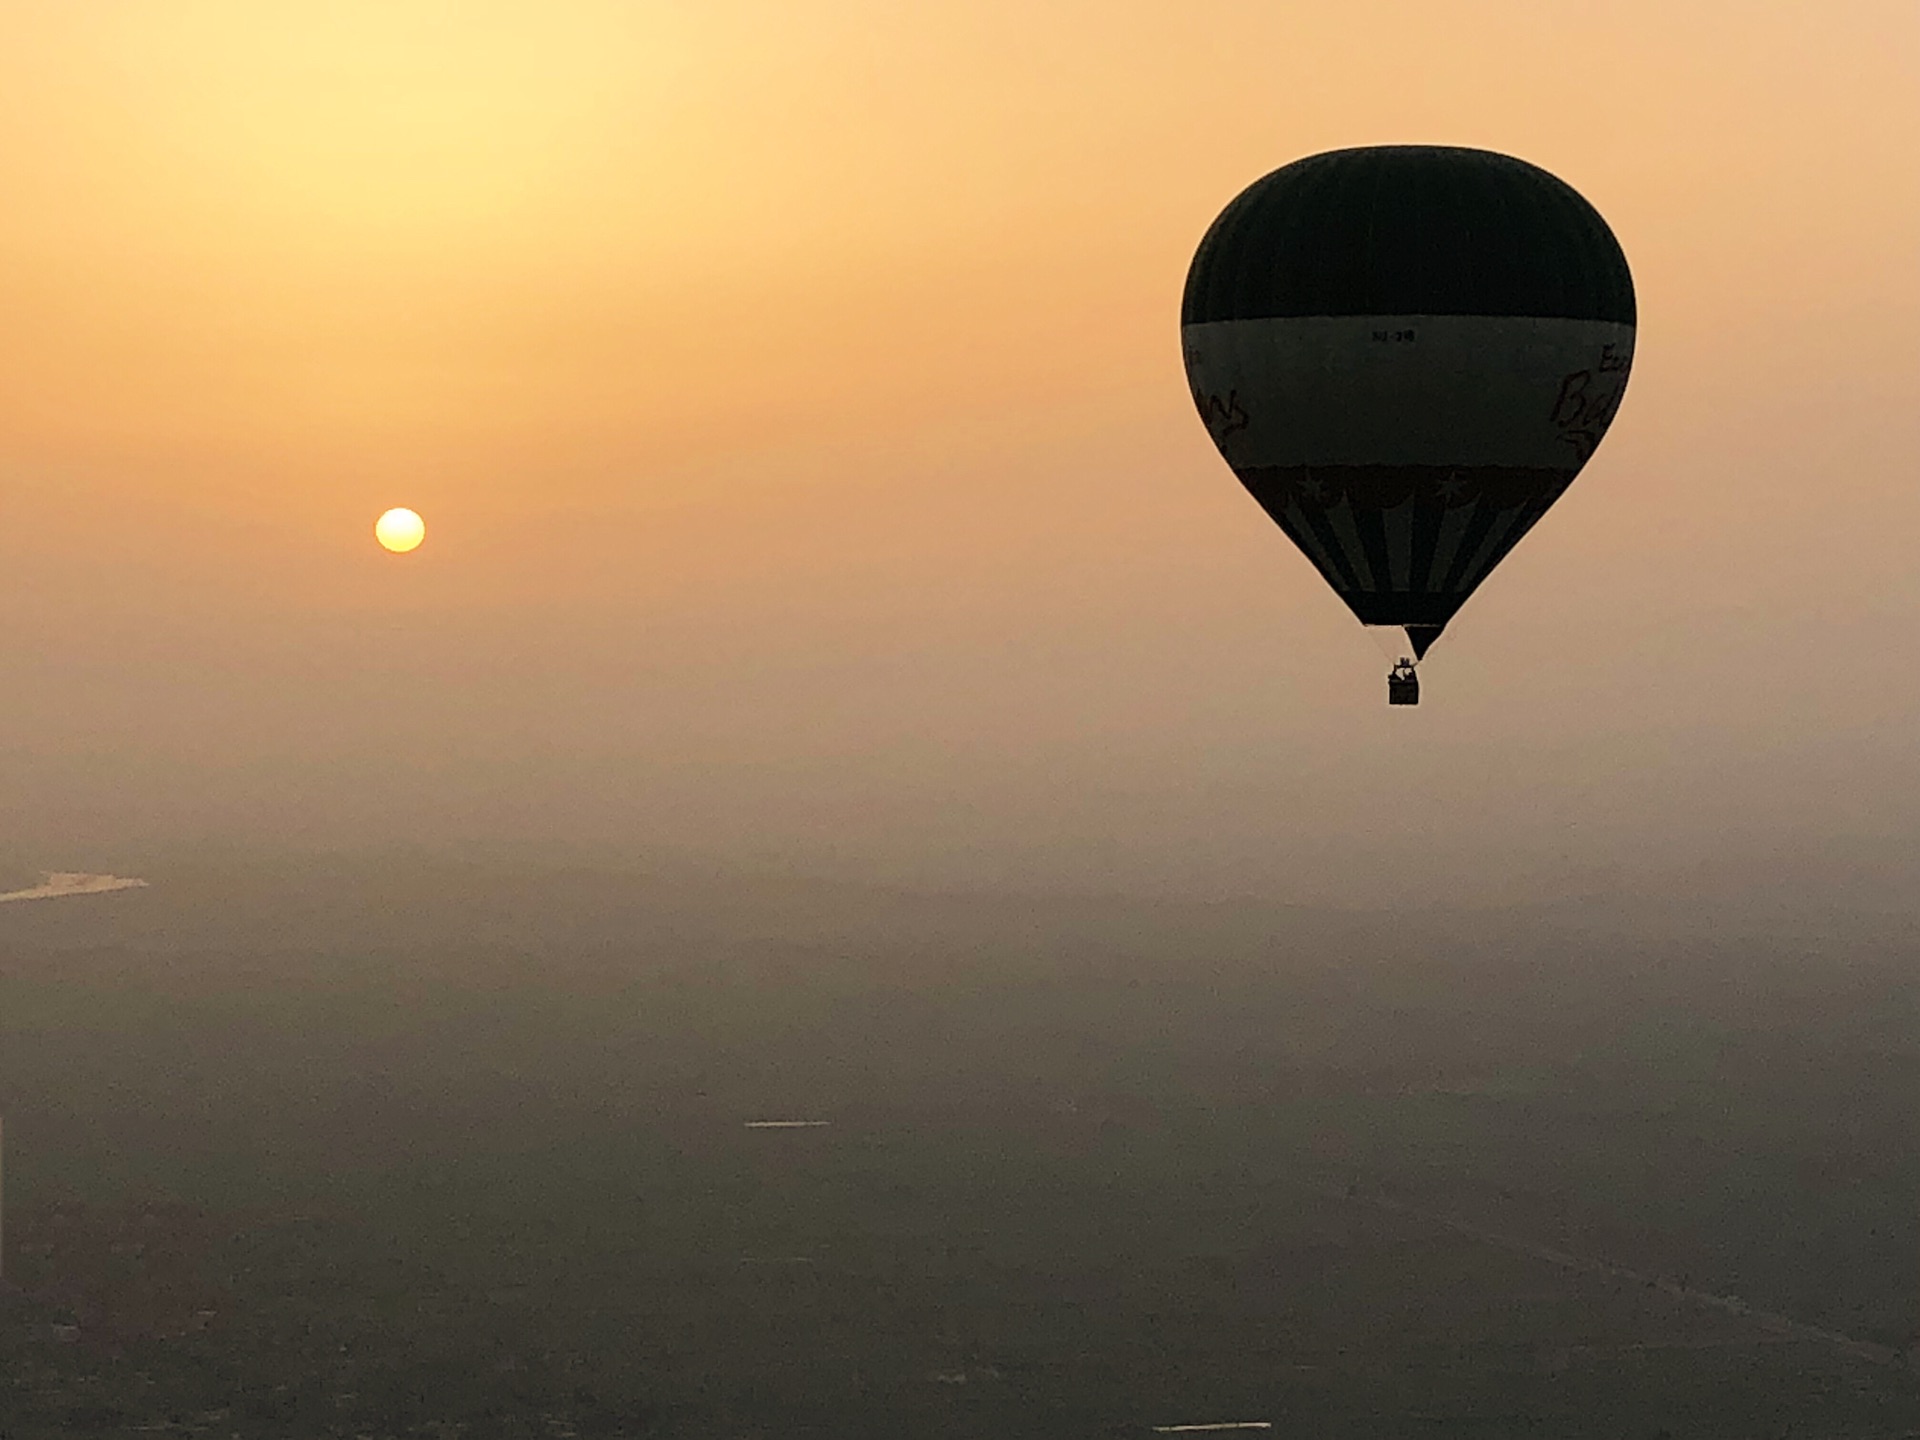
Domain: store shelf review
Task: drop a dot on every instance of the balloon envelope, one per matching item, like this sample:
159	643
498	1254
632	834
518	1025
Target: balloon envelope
1406	353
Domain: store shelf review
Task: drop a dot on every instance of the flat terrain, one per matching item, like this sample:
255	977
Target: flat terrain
415	1148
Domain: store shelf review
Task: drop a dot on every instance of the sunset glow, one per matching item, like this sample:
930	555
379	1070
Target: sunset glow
821	365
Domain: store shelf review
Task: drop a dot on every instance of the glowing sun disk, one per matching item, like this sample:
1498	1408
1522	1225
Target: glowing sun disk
400	530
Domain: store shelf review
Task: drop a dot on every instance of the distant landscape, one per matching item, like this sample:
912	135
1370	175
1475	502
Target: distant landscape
412	1146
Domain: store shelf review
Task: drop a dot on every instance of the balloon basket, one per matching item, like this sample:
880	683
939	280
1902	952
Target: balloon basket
1403	685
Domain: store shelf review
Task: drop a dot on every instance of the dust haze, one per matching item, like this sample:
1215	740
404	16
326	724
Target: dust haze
855	885
333	1144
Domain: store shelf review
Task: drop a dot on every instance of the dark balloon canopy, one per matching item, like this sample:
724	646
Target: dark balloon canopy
1409	230
1406	353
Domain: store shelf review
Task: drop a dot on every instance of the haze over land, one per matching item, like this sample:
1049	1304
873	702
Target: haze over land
334	1145
842	684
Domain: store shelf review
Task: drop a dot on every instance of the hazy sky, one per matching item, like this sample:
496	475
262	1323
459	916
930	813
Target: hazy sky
793	393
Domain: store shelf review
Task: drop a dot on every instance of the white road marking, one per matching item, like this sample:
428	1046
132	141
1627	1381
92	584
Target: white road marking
786	1124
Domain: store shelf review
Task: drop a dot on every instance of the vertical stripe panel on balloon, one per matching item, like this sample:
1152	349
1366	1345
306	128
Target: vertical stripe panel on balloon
1491	547
1316	518
1525	518
1454	525
1370	524
1398	524
1428	514
1340	521
1293	520
1478	523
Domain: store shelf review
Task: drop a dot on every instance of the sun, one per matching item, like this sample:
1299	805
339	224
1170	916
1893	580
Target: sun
400	530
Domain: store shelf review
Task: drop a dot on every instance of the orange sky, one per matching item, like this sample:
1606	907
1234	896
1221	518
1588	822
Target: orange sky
794	398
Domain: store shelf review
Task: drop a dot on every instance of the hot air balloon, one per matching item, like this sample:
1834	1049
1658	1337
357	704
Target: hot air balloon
1406	353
